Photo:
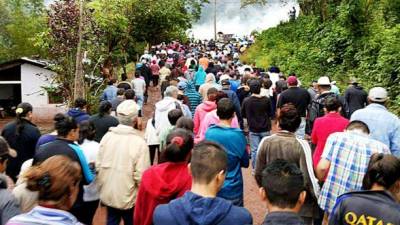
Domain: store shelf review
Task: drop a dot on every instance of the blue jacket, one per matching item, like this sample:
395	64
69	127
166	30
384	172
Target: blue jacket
192	209
234	142
200	76
109	94
78	115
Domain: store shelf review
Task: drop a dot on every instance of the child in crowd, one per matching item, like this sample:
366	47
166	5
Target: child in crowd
173	117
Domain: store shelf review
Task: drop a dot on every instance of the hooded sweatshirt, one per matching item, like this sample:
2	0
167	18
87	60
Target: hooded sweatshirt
160	184
200	112
210	82
193	96
209	119
200	76
192	209
78	115
161	113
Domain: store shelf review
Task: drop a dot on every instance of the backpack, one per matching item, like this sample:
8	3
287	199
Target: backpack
317	107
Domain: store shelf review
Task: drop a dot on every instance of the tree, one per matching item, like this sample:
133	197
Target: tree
20	22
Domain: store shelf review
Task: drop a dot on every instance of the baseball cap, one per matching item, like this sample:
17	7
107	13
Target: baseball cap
324	81
127	108
224	77
5	149
225	82
378	94
292	81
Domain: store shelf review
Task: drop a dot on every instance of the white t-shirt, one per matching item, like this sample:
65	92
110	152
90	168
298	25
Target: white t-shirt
139	86
90	150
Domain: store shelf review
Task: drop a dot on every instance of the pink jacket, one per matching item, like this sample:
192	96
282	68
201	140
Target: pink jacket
201	112
210	119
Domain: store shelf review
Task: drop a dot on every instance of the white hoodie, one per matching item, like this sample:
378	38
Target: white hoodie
161	113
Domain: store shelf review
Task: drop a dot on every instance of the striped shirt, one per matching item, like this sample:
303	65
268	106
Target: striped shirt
349	154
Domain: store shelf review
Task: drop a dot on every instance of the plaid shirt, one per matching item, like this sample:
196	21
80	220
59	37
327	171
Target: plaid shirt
349	153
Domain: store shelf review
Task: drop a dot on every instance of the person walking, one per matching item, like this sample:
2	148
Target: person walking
22	135
258	111
79	111
110	92
234	141
103	120
344	162
201	205
119	172
355	96
384	125
300	98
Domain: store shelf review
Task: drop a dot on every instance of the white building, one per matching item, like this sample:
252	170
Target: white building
24	80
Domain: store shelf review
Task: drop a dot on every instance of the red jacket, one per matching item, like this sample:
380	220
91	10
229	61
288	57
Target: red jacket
160	184
323	127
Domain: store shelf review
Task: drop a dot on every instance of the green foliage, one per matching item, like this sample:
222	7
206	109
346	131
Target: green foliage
20	22
358	38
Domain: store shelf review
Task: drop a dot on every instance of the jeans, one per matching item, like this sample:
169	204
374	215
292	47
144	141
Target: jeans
255	139
139	100
114	216
301	131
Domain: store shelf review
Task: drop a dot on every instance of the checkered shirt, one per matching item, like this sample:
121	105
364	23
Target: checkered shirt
349	153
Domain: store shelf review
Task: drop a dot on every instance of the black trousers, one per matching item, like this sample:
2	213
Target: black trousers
153	149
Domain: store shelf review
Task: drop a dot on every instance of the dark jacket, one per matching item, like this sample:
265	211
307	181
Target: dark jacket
283	218
235	100
356	98
78	115
102	124
24	144
192	209
378	206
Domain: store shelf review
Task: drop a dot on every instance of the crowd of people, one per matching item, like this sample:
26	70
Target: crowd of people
318	157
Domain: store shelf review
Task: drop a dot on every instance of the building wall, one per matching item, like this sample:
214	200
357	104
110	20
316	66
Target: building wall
33	78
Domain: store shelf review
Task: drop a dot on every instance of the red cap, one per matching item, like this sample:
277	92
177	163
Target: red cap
292	81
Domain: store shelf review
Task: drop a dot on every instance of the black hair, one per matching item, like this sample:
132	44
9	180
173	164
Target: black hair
225	109
255	86
289	118
120	91
80	103
138	73
185	123
130	94
111	81
179	144
220	95
383	170
124	77
104	108
358	125
64	124
283	183
332	104
87	130
208	159
20	116
174	115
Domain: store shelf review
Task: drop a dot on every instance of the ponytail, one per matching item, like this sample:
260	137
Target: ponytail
179	145
21	112
383	170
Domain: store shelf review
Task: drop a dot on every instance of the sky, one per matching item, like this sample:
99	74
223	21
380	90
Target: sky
233	20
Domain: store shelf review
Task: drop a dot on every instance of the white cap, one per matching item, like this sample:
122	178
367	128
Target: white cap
127	108
224	77
324	81
378	94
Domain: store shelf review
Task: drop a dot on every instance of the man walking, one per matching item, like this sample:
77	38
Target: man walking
355	97
122	159
300	98
384	125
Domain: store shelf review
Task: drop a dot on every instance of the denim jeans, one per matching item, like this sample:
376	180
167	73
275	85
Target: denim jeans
114	216
140	100
255	139
301	131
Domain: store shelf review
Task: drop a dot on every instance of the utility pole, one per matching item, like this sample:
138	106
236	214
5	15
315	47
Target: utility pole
79	82
215	20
